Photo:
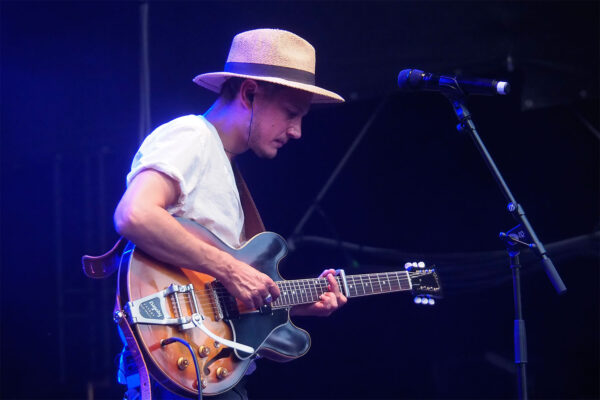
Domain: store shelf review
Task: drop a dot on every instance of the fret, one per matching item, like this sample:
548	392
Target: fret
362	284
338	279
370	288
297	293
398	279
383	283
354	286
283	298
312	286
306	284
404	282
394	280
379	282
290	293
289	300
316	286
303	294
387	287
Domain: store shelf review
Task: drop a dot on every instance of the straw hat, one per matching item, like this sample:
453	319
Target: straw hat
271	55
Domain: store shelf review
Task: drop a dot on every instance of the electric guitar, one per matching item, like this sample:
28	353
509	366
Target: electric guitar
163	302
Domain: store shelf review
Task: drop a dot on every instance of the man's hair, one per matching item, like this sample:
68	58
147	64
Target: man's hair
231	87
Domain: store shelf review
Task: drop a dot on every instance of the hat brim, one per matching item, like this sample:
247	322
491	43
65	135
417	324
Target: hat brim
214	80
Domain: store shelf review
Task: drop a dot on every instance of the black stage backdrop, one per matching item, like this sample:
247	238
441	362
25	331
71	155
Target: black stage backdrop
70	106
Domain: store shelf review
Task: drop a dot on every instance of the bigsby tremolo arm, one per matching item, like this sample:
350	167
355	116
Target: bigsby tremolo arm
197	320
153	310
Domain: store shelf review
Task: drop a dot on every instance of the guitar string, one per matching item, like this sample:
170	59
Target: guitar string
206	299
312	284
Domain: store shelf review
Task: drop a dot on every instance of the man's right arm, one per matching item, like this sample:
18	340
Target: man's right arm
142	217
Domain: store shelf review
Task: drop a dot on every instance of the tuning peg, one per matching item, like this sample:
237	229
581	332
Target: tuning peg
408	266
421	264
424	300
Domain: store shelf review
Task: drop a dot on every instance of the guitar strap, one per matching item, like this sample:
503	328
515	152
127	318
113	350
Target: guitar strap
100	267
134	349
253	224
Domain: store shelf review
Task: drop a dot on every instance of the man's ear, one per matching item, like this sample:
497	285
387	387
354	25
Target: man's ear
247	91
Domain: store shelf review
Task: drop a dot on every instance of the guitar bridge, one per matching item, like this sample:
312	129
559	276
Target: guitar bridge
153	309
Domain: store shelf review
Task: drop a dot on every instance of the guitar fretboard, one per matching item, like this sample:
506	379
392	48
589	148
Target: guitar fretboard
306	291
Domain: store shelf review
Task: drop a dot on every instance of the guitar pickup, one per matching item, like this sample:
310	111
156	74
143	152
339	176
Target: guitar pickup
226	303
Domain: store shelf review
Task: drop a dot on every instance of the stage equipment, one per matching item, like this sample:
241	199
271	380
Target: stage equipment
517	237
413	80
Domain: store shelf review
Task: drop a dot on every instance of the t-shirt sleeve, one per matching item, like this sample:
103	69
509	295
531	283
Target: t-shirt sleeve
177	150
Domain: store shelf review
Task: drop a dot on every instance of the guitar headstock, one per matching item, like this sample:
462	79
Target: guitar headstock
425	282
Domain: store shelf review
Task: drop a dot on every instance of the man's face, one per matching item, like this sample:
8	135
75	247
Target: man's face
277	118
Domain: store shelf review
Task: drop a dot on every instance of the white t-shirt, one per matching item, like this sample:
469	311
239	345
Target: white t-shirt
189	150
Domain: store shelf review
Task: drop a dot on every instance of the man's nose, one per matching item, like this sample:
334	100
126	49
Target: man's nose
295	131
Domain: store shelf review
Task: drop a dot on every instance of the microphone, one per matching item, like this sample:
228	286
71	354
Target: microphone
413	80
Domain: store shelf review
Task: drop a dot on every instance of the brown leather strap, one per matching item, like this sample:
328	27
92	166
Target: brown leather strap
134	349
132	343
253	224
103	266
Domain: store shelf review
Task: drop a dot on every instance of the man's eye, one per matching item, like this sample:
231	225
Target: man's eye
292	114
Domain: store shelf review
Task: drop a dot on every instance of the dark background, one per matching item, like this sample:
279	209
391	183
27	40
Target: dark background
70	106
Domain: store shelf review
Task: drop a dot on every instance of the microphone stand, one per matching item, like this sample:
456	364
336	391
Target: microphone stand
515	239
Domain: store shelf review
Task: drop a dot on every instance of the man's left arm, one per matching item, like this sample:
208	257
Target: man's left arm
328	301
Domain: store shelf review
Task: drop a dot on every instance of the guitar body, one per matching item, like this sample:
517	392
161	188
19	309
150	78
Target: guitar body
269	332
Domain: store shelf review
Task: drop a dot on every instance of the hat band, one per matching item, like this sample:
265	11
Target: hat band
290	74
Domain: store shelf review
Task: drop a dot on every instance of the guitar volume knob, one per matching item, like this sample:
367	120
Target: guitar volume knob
203	351
182	363
222	372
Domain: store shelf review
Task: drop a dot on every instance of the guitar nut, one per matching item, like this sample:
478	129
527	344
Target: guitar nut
182	363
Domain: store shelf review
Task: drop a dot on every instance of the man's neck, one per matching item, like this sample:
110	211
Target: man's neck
231	125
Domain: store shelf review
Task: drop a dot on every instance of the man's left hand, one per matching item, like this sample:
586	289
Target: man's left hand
328	301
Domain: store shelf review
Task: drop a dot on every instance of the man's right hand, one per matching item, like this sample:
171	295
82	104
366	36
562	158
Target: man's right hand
247	284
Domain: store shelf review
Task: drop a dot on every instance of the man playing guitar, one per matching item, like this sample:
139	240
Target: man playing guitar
185	168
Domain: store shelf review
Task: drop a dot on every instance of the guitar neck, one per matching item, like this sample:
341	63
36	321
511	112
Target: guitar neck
306	291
